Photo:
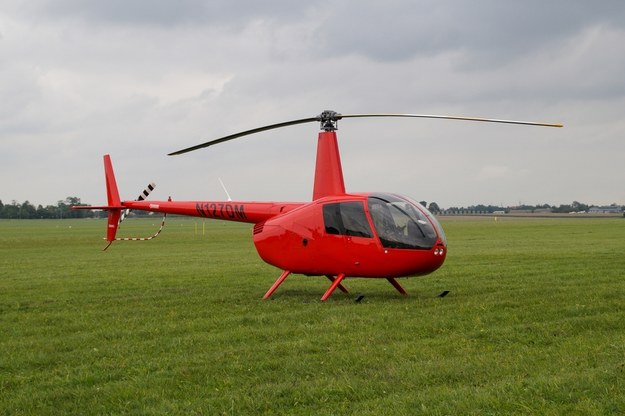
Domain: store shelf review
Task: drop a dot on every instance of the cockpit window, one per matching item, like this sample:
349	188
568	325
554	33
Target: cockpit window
400	224
346	218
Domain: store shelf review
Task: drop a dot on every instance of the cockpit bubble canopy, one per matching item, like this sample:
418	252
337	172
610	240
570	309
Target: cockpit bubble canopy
403	223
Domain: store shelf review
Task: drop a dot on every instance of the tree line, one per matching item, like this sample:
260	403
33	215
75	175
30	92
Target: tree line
574	207
62	210
26	210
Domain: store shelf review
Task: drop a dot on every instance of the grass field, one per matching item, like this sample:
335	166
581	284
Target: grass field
534	324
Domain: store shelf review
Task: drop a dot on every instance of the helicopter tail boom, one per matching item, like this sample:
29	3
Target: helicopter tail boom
249	212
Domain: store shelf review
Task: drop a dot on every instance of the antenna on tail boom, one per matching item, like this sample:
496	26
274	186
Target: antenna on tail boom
225	190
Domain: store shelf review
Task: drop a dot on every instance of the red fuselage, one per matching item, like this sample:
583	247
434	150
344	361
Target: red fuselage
358	235
303	241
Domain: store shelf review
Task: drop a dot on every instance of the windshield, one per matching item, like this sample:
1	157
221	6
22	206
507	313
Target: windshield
437	225
400	224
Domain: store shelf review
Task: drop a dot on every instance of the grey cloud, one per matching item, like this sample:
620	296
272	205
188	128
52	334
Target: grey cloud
400	30
164	13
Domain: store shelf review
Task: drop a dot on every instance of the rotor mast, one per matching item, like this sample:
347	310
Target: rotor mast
328	169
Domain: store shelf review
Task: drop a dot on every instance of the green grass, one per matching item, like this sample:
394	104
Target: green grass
534	324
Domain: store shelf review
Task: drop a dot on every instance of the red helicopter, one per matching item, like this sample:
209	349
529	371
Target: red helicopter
337	234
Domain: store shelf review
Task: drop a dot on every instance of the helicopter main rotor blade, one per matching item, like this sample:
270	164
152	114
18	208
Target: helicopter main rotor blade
245	133
465	118
329	118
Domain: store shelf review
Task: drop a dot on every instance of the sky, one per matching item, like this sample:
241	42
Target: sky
140	79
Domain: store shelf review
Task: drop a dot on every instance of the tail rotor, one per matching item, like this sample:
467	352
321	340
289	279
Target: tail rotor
142	196
117	212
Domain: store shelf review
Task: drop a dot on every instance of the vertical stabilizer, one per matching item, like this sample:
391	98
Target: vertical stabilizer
328	169
113	201
112	193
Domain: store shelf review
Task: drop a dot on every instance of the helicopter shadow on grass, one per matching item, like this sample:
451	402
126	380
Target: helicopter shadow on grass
313	295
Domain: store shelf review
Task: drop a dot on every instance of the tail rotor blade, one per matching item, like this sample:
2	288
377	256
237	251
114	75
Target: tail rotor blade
146	192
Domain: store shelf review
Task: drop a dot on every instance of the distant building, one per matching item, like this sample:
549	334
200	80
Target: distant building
521	210
529	210
612	209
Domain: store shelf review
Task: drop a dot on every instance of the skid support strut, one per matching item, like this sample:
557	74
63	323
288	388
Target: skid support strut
335	283
277	283
396	285
340	286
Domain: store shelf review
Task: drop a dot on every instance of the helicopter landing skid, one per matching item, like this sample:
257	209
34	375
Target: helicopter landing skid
336	282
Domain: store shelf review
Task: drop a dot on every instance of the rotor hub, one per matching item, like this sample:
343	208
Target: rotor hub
329	120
